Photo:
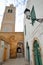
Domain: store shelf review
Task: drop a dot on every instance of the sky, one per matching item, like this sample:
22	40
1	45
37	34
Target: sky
20	7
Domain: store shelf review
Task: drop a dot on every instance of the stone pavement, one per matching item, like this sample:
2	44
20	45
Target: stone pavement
17	61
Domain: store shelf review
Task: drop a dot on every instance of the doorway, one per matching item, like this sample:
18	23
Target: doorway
37	54
19	52
5	54
20	49
28	52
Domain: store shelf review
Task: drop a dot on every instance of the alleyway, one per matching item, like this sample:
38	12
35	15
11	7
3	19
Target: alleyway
17	61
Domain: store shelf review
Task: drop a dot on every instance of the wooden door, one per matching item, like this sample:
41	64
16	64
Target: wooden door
5	54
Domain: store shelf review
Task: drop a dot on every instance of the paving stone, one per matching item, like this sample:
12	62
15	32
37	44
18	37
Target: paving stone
17	61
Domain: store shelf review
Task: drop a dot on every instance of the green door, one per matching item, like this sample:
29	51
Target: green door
28	52
37	55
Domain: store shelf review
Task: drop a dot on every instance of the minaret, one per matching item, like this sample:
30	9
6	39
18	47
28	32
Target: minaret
8	22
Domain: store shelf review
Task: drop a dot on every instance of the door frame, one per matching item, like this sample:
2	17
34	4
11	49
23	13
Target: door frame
5	54
28	51
33	48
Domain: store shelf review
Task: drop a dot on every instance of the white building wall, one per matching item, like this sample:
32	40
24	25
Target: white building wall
35	31
1	51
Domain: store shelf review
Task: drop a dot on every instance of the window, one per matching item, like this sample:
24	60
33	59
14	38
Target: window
7	29
10	11
25	29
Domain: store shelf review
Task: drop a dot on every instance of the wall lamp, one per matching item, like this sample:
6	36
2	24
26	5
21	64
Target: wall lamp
27	13
28	16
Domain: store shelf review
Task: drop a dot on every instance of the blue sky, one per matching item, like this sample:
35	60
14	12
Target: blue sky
20	7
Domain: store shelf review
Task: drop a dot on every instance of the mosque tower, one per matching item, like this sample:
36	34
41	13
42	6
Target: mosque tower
8	22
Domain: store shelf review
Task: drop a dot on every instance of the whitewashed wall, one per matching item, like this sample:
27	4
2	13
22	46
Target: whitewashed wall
35	31
1	51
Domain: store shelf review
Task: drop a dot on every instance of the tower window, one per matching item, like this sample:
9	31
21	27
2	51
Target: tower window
10	11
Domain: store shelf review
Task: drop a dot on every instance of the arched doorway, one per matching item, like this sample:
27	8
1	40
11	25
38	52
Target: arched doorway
28	51
19	52
20	49
37	55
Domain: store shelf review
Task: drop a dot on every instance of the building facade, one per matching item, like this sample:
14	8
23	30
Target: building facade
33	27
8	34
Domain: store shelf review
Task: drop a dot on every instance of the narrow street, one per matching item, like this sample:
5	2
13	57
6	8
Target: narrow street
17	61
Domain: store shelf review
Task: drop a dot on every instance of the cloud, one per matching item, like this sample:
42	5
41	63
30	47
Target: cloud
20	2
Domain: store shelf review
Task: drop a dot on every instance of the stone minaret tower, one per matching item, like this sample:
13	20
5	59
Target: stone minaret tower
8	22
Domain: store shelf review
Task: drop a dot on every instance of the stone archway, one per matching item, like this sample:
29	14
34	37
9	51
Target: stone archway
37	54
20	49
